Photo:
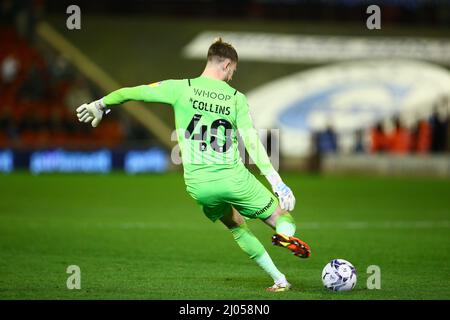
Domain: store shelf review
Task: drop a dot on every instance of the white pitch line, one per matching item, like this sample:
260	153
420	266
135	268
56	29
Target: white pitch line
311	225
355	225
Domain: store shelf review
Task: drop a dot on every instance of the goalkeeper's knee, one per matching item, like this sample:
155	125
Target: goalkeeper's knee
285	224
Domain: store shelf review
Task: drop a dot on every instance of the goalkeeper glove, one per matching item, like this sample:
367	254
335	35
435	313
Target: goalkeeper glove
282	191
92	112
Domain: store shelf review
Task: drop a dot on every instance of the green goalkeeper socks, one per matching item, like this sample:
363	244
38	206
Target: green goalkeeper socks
266	263
247	241
285	224
255	250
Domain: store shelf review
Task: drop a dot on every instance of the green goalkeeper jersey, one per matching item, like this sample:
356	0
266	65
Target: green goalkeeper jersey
208	116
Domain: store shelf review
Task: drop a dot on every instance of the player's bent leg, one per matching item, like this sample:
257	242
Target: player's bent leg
233	219
281	221
254	249
284	225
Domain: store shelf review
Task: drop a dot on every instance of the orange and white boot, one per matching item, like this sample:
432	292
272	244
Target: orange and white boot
298	247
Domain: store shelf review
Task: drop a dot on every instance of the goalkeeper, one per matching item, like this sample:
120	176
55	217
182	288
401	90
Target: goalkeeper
209	115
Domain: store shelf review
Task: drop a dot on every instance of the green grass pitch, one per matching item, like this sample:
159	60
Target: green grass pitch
142	237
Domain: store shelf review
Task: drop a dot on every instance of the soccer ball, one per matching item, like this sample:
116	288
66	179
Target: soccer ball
339	275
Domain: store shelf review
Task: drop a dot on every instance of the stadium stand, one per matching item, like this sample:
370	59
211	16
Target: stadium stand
38	97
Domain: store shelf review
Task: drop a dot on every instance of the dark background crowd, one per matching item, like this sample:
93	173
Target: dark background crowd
39	90
430	134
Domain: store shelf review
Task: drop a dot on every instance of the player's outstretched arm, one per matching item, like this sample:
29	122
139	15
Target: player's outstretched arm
93	112
164	91
259	155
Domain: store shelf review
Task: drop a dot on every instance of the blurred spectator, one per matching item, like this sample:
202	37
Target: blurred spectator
59	69
422	136
23	14
399	139
26	13
10	69
439	130
326	141
359	141
378	139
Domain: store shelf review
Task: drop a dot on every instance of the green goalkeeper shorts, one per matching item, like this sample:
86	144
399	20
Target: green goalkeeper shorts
239	189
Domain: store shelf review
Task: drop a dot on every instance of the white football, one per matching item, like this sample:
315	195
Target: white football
339	275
